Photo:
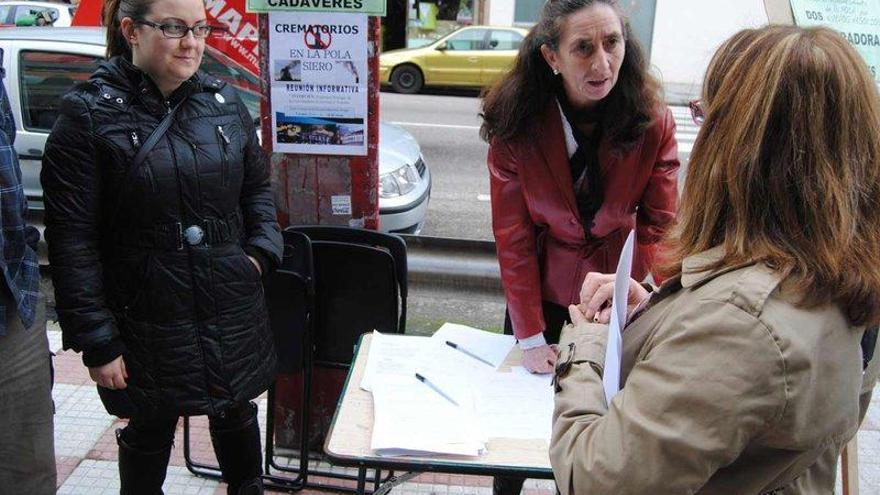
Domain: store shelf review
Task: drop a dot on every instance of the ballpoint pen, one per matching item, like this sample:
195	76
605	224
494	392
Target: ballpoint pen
435	388
469	353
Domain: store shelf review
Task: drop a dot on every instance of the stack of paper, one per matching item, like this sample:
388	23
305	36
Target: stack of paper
413	419
445	394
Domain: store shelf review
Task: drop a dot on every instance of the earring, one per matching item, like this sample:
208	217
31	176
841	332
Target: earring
555	71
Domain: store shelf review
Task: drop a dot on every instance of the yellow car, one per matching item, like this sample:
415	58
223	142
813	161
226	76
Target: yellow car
474	56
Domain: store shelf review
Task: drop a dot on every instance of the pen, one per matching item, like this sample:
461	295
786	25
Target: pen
469	353
434	387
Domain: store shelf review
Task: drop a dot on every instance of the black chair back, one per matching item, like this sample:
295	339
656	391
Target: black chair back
393	244
289	299
356	292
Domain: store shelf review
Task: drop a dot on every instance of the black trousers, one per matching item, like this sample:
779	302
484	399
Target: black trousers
555	316
155	433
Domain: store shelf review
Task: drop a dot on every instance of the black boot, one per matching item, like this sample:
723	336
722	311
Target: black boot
141	471
236	438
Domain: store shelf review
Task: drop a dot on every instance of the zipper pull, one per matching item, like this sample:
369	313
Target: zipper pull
223	135
135	140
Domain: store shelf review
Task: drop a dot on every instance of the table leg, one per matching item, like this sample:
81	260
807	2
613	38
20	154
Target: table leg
362	480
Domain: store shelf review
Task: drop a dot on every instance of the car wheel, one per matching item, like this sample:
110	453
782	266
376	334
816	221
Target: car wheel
407	79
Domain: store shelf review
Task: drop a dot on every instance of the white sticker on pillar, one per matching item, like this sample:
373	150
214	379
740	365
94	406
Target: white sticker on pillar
341	205
318	65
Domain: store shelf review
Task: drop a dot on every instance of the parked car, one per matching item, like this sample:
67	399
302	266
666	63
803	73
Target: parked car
474	56
42	64
17	12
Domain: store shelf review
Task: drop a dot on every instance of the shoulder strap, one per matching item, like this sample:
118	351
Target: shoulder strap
141	155
151	141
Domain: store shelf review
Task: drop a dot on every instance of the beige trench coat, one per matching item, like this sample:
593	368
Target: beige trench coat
727	388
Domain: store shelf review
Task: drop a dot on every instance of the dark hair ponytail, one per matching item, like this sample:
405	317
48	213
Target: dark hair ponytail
112	15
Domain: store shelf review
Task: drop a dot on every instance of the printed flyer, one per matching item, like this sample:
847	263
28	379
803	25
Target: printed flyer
318	65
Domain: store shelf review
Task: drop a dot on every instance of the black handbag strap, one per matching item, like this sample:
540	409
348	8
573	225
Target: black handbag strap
151	141
141	155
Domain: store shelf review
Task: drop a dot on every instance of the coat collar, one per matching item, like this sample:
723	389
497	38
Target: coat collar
694	269
122	73
555	153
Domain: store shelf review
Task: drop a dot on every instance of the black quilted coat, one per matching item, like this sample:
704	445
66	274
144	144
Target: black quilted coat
189	318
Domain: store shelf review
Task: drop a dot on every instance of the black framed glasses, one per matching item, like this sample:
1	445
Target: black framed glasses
697	112
179	30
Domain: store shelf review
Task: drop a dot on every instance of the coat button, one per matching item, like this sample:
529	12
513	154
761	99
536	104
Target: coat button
107	96
219	98
120	101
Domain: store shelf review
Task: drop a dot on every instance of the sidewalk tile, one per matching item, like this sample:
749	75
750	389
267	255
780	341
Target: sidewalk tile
101	478
80	419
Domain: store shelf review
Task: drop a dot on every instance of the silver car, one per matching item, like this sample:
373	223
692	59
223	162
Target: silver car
42	64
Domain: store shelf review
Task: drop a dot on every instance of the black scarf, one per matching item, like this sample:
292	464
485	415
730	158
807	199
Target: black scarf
585	160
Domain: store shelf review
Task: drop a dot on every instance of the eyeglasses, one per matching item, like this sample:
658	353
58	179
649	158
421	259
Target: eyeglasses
179	30
697	112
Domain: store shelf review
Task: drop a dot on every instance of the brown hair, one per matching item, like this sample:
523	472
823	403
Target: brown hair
786	167
511	106
111	16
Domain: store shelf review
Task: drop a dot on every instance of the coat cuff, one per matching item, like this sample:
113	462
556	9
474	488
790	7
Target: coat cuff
584	343
264	260
536	340
104	353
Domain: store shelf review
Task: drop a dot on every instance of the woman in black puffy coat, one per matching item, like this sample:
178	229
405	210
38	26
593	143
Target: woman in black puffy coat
157	261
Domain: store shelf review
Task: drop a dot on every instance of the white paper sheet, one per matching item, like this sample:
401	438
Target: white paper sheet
410	418
455	372
391	355
614	349
492	347
517	404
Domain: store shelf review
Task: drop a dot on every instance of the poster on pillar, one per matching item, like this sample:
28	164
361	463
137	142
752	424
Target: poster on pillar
318	65
856	20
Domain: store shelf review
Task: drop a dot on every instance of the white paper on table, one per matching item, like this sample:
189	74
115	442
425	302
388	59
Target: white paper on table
453	371
492	347
391	355
410	418
517	404
614	348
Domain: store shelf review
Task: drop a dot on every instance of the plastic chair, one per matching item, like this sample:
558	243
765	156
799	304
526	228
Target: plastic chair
290	293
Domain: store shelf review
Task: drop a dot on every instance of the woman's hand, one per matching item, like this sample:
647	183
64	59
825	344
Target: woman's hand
597	292
541	359
256	264
111	375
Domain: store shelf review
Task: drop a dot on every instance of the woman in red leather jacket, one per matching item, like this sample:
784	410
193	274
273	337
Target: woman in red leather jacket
582	150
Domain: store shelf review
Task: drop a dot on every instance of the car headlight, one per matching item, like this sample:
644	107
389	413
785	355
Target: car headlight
398	182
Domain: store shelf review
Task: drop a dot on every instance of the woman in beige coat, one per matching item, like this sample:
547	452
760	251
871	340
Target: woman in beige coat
745	367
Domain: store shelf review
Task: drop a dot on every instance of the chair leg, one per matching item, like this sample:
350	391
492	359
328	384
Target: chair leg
849	462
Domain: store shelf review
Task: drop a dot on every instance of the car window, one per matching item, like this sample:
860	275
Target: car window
4	13
25	12
501	39
45	77
471	39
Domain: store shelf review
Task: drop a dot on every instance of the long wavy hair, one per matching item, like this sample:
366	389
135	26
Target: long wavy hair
786	167
511	107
